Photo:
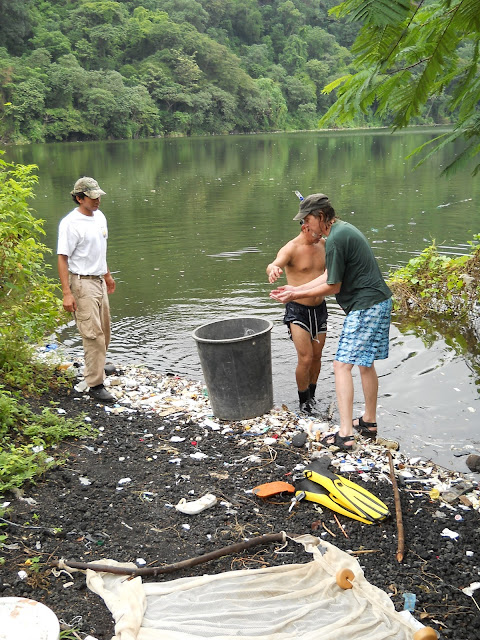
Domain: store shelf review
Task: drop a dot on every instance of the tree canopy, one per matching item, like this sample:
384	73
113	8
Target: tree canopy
136	68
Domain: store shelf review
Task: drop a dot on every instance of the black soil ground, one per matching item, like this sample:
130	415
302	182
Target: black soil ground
107	519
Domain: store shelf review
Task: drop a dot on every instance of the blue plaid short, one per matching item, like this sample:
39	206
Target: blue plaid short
364	335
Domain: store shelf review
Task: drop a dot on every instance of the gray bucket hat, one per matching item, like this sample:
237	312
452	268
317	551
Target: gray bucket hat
89	187
313	202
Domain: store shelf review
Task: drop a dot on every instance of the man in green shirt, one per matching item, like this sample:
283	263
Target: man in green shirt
354	277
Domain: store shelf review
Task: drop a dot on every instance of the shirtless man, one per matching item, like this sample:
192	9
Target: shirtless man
303	259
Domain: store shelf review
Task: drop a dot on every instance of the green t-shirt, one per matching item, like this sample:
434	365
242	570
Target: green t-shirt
350	260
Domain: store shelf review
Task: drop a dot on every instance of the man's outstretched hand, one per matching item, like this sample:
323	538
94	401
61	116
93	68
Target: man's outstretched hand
283	294
274	273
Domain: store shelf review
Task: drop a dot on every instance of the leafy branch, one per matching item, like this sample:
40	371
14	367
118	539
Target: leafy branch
407	54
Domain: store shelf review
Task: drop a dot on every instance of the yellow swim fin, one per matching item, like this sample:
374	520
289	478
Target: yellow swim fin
350	495
316	493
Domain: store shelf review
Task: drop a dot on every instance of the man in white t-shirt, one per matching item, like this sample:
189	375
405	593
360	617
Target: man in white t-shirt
86	280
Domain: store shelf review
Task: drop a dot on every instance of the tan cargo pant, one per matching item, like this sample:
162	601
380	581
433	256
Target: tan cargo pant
92	318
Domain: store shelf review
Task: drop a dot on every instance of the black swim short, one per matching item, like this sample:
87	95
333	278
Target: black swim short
312	319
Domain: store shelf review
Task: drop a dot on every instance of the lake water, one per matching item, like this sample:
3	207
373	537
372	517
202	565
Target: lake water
194	222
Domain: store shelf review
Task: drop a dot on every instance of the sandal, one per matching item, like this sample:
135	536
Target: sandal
338	441
366	429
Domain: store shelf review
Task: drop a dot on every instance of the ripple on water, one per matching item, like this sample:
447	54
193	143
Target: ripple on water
426	394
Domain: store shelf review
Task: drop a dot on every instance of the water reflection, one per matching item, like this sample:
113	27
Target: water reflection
194	222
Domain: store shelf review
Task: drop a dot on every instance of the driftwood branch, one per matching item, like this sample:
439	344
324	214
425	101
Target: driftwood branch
398	511
176	566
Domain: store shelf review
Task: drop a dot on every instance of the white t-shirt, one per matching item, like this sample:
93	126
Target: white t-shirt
83	239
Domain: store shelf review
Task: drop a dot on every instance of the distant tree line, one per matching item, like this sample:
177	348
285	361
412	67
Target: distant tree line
98	69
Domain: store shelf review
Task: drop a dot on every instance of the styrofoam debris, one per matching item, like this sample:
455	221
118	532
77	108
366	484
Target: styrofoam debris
180	400
198	455
448	533
468	591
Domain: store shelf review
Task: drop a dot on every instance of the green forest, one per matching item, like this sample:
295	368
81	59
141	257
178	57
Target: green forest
106	69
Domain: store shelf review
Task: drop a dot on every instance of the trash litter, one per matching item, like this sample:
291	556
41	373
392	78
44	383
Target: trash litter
409	600
389	444
192	508
81	386
448	533
299	495
25	618
198	455
272	488
468	591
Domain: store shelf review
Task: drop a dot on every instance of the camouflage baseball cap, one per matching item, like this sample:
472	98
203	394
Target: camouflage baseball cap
313	202
89	187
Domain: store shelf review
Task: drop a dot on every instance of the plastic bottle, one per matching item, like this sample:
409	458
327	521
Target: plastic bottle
299	195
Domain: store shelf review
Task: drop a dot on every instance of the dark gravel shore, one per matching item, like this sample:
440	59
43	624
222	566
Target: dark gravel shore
115	496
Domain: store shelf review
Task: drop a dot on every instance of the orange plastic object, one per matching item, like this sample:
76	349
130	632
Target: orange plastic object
272	489
425	634
344	578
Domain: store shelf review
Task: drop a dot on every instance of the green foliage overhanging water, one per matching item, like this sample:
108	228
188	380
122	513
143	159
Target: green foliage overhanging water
435	292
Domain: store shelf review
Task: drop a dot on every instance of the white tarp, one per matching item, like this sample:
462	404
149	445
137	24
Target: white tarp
276	603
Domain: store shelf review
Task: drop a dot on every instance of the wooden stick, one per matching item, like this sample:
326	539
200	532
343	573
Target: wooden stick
398	510
176	566
340	526
328	530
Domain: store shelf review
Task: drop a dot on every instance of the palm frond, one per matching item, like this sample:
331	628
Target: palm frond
355	95
373	44
469	13
466	94
467	131
336	83
463	159
408	53
376	12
